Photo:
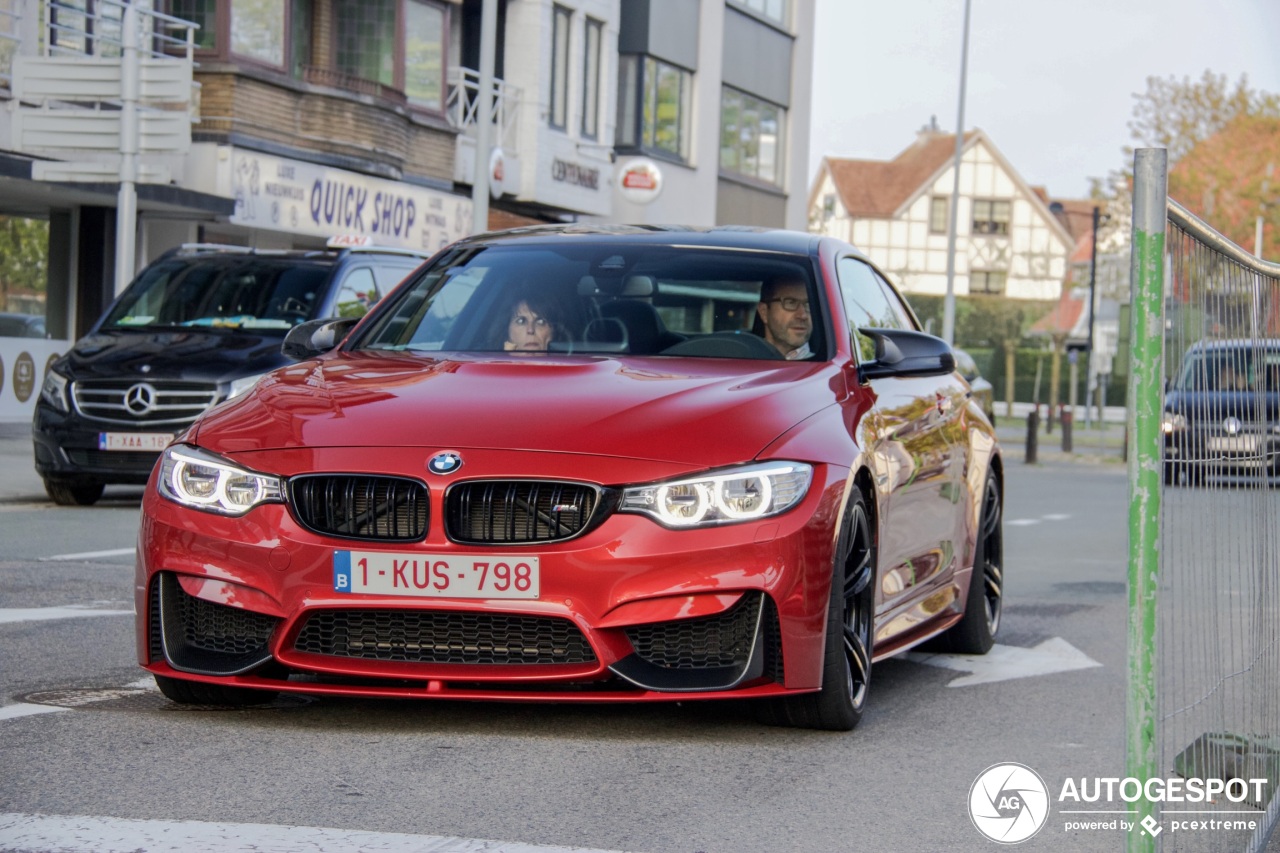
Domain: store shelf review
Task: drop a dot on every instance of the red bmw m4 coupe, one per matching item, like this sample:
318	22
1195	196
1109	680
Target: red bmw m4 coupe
585	463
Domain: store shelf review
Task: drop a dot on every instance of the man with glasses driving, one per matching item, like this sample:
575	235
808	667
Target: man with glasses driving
785	316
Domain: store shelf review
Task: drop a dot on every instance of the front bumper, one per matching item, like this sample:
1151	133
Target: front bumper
67	448
627	611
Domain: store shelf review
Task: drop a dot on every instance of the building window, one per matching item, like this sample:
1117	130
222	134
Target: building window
990	217
938	213
203	13
425	27
257	30
828	206
772	10
987	281
365	36
654	106
751	132
591	79
560	67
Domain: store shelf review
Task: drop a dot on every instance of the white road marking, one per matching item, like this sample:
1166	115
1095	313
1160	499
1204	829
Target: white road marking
25	709
1003	663
88	555
1055	516
40	614
119	835
1021	522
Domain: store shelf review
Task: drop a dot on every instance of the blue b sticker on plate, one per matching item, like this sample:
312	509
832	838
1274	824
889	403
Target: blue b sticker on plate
342	571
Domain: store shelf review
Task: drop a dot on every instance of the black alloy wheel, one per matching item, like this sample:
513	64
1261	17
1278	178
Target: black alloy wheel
975	633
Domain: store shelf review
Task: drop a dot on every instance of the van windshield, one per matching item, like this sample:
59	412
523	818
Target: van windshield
270	294
1232	369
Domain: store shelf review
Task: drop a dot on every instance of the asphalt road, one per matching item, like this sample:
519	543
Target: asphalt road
659	779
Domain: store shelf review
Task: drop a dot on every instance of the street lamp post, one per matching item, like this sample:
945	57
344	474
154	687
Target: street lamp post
949	304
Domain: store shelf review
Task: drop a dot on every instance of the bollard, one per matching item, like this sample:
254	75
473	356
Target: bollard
1067	417
1033	427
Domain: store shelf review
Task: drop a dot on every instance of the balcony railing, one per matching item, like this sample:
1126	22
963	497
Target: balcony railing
93	28
463	105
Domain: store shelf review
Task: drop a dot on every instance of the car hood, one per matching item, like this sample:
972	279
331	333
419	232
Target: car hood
1214	406
171	353
703	412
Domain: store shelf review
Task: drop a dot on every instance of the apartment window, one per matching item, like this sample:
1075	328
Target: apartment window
560	67
594	35
365	37
987	281
257	30
990	217
751	133
425	28
202	12
654	106
772	10
828	205
939	208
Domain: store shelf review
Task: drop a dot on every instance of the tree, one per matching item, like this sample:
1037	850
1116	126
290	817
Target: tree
1178	115
23	247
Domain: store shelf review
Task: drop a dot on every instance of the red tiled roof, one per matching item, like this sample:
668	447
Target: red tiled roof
1062	318
877	188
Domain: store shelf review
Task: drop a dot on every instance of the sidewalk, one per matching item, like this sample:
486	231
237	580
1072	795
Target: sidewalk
19	482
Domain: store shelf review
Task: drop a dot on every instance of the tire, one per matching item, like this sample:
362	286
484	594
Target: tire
73	492
846	664
200	693
976	632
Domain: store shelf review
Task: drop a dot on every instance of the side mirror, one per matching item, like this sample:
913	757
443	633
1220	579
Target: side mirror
900	352
310	339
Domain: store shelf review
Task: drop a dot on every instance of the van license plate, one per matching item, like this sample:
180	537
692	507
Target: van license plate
156	441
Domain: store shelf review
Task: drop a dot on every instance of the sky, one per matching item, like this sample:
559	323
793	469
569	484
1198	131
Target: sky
1050	82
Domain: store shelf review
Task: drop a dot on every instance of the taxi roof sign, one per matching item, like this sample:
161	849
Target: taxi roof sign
349	241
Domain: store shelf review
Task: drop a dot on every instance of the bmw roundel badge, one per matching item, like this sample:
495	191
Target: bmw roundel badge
444	463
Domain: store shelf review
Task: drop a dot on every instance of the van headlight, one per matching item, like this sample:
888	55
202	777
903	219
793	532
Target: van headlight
54	390
745	493
201	480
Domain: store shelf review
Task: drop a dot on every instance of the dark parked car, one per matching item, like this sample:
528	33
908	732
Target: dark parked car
983	393
1222	411
22	326
197	326
557	465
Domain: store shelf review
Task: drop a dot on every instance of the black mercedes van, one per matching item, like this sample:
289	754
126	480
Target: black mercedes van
198	326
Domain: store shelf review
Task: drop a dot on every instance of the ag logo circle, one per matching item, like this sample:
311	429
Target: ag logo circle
1008	803
444	463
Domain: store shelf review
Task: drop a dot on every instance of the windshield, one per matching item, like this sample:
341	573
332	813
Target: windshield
1244	368
221	291
623	298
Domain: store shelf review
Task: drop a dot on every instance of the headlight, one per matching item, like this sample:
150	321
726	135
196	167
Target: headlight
198	479
739	494
54	390
1173	422
244	383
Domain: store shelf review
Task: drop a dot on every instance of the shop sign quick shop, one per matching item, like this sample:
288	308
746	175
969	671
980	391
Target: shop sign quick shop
305	198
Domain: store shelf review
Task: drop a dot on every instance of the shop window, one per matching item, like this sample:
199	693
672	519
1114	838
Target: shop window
751	134
990	217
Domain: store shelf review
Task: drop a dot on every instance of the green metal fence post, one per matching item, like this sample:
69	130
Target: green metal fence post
1146	270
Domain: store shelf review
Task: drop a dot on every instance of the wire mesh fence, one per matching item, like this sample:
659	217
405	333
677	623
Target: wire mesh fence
1215	650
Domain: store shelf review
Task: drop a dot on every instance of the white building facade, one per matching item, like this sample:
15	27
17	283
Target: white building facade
1008	242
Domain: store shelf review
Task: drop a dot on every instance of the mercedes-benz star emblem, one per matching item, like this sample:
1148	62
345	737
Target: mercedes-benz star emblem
444	463
140	399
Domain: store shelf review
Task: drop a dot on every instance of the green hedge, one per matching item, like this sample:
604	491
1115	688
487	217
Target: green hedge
984	323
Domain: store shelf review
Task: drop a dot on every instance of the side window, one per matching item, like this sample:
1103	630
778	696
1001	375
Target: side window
357	294
868	301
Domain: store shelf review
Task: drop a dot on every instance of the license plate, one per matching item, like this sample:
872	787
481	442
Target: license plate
134	440
1234	444
436	575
